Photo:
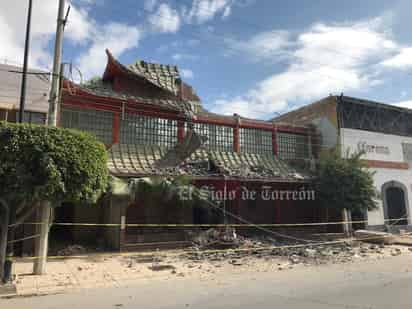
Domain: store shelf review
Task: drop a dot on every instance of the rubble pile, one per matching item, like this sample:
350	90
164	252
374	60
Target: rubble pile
72	250
241	248
215	238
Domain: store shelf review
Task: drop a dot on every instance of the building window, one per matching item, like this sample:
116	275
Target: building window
256	141
218	137
34	117
407	152
99	123
293	146
145	130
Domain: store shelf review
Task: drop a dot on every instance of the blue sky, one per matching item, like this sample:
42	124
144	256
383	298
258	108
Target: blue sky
253	57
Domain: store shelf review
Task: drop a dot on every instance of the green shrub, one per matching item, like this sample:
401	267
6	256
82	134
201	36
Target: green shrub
345	183
39	163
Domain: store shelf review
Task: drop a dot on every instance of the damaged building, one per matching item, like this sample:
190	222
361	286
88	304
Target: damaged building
143	110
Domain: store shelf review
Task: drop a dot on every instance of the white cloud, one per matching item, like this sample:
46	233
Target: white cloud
407	104
323	59
165	19
402	60
183	57
202	11
81	30
226	12
117	38
264	45
13	24
186	73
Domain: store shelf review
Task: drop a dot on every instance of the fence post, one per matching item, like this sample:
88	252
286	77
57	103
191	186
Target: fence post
41	247
3	239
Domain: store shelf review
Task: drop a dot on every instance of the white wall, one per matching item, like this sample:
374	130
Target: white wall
383	147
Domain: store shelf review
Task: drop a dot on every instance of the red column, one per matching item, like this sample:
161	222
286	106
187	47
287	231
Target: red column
275	140
180	131
236	133
116	129
236	141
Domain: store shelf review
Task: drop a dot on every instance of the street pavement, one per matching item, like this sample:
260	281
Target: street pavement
385	283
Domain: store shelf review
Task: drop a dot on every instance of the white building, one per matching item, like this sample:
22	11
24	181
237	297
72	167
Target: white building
384	133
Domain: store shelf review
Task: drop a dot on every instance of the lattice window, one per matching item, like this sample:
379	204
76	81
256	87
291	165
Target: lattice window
34	117
374	117
99	123
293	146
218	137
146	130
407	152
256	141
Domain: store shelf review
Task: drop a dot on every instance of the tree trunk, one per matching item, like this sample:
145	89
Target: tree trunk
41	246
3	239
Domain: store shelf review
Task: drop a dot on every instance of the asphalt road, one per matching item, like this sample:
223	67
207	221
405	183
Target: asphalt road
373	284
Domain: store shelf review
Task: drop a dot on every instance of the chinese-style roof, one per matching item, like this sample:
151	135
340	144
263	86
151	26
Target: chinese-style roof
127	160
162	75
104	89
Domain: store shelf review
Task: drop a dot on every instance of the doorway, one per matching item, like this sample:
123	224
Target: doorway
395	204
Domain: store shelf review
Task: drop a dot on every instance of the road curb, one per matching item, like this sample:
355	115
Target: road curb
8	290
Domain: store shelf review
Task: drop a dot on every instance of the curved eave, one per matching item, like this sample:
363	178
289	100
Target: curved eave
75	95
112	67
115	68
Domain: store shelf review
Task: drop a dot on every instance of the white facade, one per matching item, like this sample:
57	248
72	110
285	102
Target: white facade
381	147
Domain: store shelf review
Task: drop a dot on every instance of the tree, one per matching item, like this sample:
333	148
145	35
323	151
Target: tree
344	182
41	164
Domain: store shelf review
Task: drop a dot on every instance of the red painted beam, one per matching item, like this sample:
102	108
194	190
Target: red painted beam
275	140
180	131
83	99
116	129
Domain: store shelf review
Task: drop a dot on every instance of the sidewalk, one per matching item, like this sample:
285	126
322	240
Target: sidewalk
74	274
116	271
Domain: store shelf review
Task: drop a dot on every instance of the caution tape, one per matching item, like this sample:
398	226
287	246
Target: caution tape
202	225
23	239
209	251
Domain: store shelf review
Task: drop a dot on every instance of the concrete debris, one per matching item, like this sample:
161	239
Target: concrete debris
160	267
72	250
396	251
215	238
254	247
375	237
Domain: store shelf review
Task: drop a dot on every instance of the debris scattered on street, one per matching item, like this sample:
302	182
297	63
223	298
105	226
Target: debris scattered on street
72	250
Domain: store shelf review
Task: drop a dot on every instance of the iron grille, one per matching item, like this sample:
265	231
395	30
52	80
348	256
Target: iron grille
218	137
256	141
293	146
146	130
99	123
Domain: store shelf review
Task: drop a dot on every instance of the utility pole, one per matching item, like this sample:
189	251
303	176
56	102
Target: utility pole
58	46
26	60
44	211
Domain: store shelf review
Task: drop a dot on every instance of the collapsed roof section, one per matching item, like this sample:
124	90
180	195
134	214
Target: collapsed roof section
163	76
127	160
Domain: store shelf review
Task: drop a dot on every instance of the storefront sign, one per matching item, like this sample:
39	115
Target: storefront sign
370	148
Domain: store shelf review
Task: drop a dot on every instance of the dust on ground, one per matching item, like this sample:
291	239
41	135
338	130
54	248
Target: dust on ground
204	261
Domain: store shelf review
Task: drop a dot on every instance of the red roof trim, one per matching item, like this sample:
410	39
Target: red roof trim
78	97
